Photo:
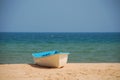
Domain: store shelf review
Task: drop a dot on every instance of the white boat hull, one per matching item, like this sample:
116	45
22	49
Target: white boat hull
57	60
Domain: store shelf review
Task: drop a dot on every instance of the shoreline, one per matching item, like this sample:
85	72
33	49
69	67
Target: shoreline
71	71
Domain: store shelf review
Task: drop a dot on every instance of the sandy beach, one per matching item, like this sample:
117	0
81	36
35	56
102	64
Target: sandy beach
71	71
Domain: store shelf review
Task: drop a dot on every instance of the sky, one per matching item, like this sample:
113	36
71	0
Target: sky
59	15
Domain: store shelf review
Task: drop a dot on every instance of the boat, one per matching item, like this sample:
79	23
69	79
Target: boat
54	58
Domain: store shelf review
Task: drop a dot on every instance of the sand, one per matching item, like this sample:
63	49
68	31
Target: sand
71	71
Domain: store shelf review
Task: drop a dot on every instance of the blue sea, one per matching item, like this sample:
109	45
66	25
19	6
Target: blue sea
17	47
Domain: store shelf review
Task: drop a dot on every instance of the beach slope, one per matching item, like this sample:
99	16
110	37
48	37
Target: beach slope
71	71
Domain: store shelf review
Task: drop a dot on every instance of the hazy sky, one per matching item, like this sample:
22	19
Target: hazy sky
60	15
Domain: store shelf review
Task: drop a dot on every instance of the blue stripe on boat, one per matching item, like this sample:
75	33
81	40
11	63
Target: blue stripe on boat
45	54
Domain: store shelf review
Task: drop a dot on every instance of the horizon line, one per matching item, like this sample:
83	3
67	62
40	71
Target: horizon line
56	32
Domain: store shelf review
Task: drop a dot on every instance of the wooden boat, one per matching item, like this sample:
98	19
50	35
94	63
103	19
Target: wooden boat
51	59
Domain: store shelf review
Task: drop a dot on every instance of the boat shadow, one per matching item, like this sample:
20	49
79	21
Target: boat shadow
41	67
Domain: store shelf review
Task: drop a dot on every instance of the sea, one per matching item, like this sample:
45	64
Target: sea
84	47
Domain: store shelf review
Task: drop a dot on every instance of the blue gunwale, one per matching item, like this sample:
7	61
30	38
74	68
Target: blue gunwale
48	53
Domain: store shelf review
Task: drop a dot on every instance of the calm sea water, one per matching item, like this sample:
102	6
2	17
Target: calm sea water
84	47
